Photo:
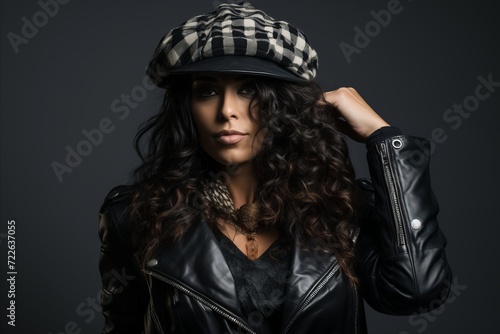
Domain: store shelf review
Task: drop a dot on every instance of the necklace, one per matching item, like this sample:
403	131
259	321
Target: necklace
244	220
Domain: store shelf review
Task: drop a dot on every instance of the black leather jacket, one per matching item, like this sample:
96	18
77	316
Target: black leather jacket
188	287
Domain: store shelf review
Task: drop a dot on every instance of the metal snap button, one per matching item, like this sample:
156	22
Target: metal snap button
416	224
152	262
397	143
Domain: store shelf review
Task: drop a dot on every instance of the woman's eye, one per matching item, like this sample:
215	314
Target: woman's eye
205	92
248	90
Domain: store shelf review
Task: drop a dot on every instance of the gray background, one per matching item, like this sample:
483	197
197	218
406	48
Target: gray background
66	77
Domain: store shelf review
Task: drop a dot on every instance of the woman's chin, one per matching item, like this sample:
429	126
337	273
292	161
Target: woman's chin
233	162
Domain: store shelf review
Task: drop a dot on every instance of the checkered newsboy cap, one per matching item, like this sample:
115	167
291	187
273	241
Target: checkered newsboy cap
236	38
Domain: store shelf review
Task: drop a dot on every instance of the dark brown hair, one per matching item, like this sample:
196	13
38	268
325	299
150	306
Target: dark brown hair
305	178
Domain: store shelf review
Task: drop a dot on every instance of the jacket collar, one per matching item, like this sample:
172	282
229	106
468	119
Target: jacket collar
306	269
196	262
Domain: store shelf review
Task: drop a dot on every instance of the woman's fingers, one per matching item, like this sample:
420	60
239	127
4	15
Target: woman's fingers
360	119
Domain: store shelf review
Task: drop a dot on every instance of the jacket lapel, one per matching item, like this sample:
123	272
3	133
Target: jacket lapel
306	269
196	262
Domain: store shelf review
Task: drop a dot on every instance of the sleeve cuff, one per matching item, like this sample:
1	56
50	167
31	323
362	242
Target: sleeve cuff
383	133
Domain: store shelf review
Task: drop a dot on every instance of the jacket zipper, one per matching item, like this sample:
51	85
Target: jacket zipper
311	296
396	209
217	309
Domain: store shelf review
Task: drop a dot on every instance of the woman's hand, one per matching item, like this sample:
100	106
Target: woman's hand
355	117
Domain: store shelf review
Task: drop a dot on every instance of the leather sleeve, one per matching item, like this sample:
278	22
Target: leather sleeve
402	263
123	295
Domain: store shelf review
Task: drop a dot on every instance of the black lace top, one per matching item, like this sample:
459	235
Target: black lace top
260	284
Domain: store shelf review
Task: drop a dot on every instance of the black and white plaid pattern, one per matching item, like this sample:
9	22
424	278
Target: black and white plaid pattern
234	29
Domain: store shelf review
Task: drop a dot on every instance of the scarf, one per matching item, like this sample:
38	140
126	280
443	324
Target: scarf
244	219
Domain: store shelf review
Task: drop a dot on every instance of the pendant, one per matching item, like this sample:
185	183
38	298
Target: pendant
252	246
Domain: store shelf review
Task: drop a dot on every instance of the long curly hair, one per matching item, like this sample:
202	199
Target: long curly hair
305	179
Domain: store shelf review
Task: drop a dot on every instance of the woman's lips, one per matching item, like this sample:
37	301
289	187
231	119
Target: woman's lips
229	139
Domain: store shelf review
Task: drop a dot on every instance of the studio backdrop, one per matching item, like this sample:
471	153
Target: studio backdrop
74	91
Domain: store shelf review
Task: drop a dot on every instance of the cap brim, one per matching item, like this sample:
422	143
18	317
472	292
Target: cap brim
240	65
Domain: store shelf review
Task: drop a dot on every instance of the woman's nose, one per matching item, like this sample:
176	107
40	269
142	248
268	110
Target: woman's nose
229	105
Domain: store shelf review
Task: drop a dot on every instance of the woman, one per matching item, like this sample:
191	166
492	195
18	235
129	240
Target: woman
245	215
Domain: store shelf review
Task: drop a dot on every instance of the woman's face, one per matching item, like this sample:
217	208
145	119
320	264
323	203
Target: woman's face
221	108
